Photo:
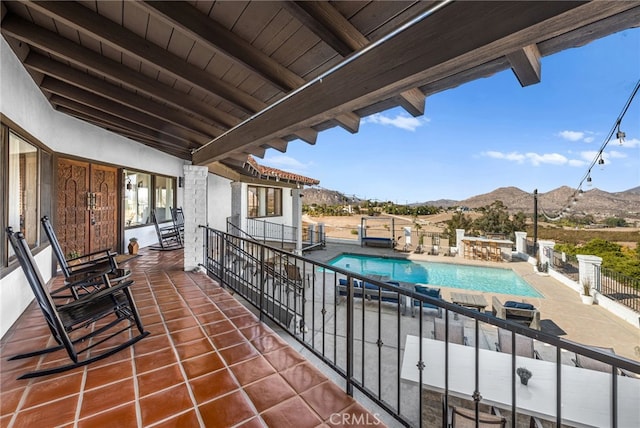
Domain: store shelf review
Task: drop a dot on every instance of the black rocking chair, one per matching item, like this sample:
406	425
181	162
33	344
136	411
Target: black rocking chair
80	270
72	324
177	215
168	236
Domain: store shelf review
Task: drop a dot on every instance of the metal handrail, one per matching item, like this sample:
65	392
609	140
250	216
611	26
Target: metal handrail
307	306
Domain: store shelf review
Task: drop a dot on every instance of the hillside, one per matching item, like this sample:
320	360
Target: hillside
594	201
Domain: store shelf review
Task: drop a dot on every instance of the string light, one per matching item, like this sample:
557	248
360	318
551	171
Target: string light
598	158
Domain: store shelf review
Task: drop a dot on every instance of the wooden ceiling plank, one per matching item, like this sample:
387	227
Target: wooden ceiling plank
85	58
412	101
217	37
117	94
118	121
512	25
84	20
349	121
525	64
308	20
65	90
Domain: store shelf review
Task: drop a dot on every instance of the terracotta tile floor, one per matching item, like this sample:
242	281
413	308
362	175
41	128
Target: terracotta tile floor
208	362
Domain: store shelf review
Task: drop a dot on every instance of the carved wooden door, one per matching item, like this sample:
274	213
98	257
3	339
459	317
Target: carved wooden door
86	215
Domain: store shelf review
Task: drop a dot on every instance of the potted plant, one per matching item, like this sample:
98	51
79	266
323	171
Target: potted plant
133	246
586	296
72	256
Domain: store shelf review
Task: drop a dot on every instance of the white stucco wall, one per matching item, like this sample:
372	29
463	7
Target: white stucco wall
23	103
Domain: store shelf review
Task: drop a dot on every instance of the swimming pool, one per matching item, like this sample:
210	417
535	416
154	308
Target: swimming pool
478	278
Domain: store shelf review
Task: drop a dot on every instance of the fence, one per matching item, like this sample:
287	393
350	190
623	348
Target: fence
566	265
381	337
624	289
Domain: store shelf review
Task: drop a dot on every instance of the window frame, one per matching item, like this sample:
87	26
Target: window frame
267	190
152	196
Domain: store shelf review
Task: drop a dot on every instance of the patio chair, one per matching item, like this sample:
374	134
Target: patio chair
524	313
83	325
591	364
78	270
168	236
427	291
456	331
524	345
459	417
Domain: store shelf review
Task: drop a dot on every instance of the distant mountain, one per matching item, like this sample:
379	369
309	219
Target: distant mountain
595	201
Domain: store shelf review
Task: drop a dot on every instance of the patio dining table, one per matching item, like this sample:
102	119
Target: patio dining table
585	394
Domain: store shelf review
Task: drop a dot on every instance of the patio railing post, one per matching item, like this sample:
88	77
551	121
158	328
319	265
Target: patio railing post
350	344
261	283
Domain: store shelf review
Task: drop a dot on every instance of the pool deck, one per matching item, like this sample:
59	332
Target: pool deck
559	306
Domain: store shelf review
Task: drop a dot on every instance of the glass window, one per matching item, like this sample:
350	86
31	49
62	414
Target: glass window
23	188
164	200
264	201
136	198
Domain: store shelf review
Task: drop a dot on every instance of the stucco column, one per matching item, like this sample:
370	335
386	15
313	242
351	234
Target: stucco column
589	270
296	220
521	242
195	213
459	244
237	217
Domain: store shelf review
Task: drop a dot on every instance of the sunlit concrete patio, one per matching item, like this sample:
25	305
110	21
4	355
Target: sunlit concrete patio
208	362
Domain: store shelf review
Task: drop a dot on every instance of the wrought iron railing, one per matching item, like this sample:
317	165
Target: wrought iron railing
531	249
381	337
621	288
267	231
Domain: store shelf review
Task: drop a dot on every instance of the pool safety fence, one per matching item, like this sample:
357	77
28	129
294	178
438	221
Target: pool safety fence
374	344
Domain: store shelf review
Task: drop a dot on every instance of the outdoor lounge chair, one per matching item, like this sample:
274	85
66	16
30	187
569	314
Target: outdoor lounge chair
168	236
524	345
427	291
177	215
75	269
456	331
83	325
524	313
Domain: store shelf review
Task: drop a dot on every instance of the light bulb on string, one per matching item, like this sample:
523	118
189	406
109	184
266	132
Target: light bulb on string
620	135
601	162
589	180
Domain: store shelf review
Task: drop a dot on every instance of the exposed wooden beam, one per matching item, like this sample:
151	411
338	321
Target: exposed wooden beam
115	93
118	122
210	33
412	101
71	92
66	50
86	21
307	135
423	59
525	64
310	21
278	143
349	121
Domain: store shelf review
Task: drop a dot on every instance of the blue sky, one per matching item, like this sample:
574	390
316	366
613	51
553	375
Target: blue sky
492	133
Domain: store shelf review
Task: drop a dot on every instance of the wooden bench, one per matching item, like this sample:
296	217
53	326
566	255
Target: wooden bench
529	317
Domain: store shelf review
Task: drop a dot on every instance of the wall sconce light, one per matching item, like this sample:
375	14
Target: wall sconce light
129	186
180	182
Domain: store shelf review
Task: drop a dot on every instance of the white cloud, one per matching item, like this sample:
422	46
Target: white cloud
547	158
627	143
535	159
614	154
283	162
585	136
399	121
517	157
571	135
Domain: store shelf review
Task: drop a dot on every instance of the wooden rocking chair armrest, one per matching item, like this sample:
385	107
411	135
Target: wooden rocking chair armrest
107	254
98	295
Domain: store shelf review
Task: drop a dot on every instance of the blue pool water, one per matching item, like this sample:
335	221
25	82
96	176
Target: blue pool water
494	280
